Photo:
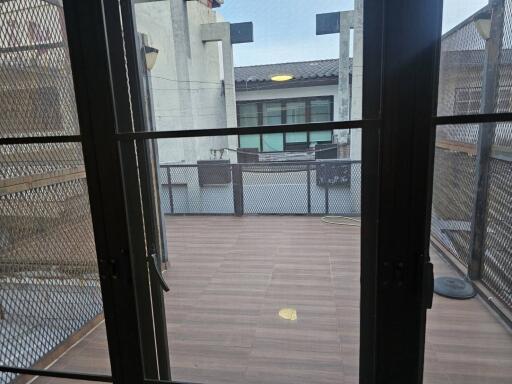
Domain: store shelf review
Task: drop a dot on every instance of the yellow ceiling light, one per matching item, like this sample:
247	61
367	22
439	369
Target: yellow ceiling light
281	77
288	314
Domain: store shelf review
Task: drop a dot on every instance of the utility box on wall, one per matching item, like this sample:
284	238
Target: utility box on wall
326	151
211	172
333	174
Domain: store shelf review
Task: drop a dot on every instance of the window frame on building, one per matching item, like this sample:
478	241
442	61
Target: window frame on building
287	143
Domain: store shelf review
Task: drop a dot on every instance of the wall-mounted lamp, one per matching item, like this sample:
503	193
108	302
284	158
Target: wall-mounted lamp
151	55
483	24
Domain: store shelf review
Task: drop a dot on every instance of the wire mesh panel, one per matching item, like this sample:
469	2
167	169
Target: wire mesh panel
461	69
30	160
345	195
293	188
497	262
49	283
453	199
467	64
461	64
505	68
48	274
193	189
275	189
36	84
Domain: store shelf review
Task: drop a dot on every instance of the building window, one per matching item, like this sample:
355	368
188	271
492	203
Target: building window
285	111
247	115
250	141
272	114
467	100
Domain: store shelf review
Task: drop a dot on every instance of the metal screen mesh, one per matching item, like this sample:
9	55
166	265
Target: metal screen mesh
462	56
36	84
463	53
49	284
497	262
182	193
452	200
461	65
298	188
454	194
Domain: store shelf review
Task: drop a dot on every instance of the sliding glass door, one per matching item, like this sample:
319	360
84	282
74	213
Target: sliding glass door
259	178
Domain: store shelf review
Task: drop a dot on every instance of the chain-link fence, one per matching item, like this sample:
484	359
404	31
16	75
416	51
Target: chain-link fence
286	188
49	284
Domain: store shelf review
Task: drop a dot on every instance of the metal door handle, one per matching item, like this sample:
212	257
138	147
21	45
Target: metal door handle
156	272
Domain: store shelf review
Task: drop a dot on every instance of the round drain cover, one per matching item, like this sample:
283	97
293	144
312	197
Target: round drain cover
454	288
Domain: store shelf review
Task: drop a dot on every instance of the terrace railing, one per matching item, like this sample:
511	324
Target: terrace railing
327	187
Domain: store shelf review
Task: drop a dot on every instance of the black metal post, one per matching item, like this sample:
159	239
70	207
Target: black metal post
169	186
326	199
486	134
309	187
238	189
400	72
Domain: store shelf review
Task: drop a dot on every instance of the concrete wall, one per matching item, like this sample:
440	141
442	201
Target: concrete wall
186	82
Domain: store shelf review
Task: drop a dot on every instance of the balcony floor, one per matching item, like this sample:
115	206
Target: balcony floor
230	276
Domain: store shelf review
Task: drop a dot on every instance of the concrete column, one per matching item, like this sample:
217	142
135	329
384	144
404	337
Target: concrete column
180	31
216	32
346	18
357	79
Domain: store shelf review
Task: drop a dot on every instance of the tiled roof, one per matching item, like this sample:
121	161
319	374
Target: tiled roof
305	70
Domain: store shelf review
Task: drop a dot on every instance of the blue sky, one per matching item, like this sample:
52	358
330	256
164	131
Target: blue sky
284	30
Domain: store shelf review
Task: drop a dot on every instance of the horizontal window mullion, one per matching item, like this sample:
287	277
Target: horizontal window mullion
469	119
57	374
40	139
312	127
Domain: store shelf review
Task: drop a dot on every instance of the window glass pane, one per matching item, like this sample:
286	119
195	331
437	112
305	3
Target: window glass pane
320	110
272	142
249	301
296	137
271	113
226	324
296	112
320	136
248	115
250	141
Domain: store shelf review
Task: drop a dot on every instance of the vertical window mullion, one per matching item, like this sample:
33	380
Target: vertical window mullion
284	120
307	118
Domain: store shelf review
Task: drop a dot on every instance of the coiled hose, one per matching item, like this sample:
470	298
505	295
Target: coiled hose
342	220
